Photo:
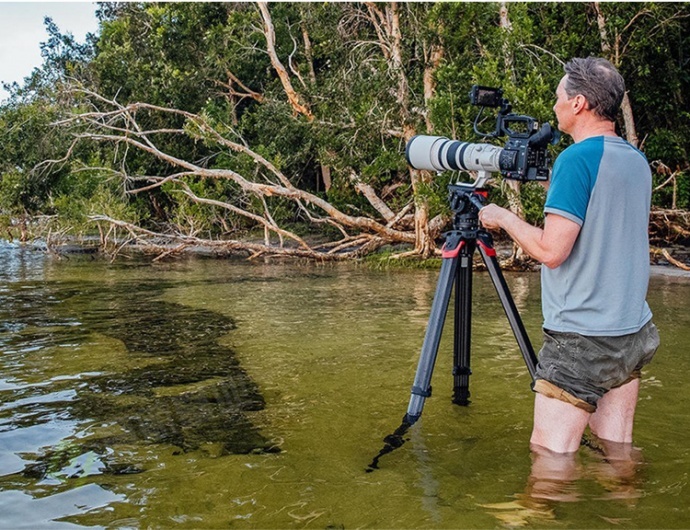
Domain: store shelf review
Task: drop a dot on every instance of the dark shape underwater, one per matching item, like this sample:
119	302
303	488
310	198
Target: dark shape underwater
214	396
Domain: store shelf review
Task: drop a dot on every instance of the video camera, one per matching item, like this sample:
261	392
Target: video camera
524	157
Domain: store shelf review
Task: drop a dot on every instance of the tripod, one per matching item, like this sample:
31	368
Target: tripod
458	250
461	243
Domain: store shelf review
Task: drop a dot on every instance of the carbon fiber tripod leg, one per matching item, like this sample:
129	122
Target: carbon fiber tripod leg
421	389
463	325
486	249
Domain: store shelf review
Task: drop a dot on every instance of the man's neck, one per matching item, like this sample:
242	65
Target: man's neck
592	128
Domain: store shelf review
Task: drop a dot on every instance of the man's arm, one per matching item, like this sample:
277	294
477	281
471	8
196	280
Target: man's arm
551	245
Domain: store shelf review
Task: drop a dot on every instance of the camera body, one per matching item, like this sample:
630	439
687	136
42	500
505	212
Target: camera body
524	157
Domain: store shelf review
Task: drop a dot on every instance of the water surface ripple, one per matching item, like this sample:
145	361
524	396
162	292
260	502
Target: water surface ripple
217	393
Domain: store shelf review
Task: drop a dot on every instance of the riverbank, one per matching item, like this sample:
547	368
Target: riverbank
670	271
659	265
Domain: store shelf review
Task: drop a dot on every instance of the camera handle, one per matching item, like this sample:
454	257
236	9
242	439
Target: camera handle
456	271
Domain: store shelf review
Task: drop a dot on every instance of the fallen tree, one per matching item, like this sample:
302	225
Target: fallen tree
121	125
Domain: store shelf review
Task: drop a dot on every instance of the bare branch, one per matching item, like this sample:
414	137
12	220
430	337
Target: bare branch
544	51
160	242
378	20
248	92
372	197
308	52
293	69
270	224
160	181
137	138
269	32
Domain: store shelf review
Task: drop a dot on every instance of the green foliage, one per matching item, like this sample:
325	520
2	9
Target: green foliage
388	259
668	146
26	142
672	194
210	59
533	196
13	190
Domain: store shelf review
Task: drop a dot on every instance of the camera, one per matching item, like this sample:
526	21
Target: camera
524	157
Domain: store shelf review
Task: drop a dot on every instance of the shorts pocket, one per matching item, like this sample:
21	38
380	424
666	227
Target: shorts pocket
647	345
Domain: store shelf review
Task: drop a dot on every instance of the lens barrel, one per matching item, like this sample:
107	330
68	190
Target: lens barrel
438	153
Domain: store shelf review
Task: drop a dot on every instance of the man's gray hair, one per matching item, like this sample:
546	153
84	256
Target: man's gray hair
599	82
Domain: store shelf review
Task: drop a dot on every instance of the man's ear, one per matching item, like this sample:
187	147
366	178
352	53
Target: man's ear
579	103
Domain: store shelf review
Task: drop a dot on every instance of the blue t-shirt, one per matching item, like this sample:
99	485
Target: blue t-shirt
605	185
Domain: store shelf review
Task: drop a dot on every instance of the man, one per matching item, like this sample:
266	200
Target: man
594	247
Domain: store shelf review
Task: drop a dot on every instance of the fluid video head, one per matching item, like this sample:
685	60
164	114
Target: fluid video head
524	157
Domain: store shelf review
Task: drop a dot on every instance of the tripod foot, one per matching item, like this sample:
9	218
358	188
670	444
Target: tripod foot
393	441
461	397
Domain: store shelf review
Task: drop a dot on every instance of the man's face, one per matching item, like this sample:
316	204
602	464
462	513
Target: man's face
563	107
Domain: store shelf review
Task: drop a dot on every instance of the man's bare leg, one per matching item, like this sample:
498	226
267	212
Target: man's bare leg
553	475
613	419
558	426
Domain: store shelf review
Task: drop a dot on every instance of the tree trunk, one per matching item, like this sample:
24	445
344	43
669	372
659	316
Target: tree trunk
507	27
308	53
513	186
397	58
629	121
429	78
292	95
613	55
326	177
387	26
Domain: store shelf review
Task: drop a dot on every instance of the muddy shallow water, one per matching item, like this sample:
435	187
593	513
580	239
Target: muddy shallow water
215	393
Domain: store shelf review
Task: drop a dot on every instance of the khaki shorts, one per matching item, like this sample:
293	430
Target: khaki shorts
580	369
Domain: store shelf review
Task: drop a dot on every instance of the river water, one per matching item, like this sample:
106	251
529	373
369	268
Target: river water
208	393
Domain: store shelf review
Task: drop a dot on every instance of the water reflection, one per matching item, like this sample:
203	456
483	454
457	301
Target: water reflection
22	510
20	263
391	442
557	478
428	484
90	372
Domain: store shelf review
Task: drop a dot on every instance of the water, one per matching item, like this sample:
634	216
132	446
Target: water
216	394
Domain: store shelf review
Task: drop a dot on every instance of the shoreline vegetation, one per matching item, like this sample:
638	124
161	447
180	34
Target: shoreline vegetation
666	255
280	129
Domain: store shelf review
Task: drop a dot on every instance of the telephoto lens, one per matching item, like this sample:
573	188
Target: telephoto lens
438	153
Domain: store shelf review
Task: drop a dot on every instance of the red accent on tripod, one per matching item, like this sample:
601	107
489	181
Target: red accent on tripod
490	251
452	253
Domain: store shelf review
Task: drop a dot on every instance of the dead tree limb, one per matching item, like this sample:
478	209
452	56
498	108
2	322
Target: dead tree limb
667	256
118	124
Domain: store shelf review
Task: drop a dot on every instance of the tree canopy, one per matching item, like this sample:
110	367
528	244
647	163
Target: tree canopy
201	123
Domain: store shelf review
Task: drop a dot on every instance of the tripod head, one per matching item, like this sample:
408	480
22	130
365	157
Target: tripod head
462	195
465	201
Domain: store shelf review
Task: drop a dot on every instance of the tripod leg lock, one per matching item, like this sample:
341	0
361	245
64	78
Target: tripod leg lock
462	370
418	391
